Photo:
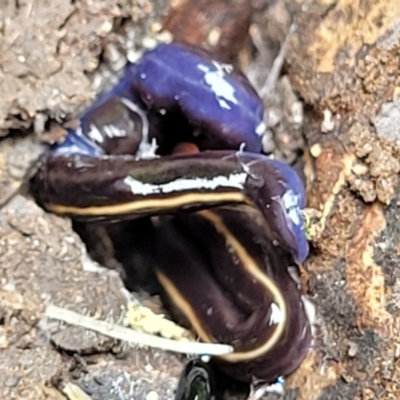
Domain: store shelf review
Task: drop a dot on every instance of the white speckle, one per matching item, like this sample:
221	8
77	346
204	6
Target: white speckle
242	147
147	151
224	67
148	368
21	58
143	75
310	309
276	315
95	134
214	36
205	358
328	123
297	113
113	131
162	111
233	181
261	128
152	395
149	43
290	202
224	104
176	97
69	239
277	388
88	264
223	90
106	27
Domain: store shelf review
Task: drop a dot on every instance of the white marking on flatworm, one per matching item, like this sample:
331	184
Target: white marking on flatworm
148	150
261	128
223	90
113	131
144	146
232	181
277	316
95	134
290	202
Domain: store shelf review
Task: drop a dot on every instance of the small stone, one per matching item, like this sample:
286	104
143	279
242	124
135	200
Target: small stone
12	381
363	150
328	124
267	142
148	368
214	36
386	188
360	169
316	150
386	122
156	27
152	395
364	188
353	349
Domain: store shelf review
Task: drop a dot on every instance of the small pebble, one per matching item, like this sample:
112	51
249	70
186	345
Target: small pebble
316	150
359	169
214	36
328	123
152	395
12	382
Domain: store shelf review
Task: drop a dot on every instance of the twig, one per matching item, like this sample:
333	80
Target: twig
138	338
74	392
276	68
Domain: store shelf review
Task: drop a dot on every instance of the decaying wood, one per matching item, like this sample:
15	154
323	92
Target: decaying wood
344	62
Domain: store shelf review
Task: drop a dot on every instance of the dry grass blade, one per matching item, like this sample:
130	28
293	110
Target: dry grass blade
138	338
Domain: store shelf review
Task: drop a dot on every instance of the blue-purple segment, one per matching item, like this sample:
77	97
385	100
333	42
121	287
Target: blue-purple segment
76	144
293	201
213	96
107	126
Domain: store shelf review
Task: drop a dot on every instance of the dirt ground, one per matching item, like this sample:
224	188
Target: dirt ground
332	110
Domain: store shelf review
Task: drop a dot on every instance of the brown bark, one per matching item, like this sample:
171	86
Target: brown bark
344	62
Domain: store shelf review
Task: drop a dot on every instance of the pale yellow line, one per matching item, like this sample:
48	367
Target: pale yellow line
254	270
137	206
184	306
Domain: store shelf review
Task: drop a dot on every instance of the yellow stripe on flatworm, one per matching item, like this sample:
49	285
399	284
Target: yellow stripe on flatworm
183	305
165	203
252	267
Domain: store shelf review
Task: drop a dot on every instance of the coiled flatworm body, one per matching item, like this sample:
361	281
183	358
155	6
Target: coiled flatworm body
227	220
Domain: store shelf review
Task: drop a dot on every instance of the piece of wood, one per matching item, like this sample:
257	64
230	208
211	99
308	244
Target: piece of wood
344	61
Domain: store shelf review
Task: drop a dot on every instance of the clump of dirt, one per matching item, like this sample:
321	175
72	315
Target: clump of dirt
47	50
375	174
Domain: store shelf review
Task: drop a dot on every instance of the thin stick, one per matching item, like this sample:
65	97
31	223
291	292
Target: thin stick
74	392
276	68
134	337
